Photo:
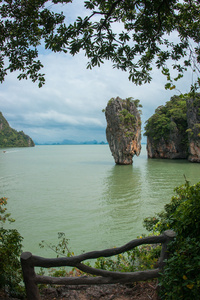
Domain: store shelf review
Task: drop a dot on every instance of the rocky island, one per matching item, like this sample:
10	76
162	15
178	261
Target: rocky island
123	130
174	130
10	137
193	120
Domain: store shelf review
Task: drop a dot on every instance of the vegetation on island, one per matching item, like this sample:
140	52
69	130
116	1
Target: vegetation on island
127	119
143	37
176	123
10	137
180	277
168	118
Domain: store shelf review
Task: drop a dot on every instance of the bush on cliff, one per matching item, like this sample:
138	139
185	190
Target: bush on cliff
181	277
168	118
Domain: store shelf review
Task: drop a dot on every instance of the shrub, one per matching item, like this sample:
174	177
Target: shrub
181	276
141	258
10	250
62	248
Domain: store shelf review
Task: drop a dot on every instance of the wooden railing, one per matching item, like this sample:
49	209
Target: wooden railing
31	279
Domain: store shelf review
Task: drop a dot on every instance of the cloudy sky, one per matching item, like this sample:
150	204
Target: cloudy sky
70	104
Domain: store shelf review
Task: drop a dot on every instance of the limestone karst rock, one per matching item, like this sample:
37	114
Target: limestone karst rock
123	130
174	130
193	120
171	149
10	137
166	130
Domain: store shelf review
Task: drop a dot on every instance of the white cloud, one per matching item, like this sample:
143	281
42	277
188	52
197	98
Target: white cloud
70	104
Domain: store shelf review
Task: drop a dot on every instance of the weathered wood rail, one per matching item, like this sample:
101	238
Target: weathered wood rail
31	279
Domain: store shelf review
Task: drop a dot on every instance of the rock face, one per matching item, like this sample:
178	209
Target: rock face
193	120
123	130
11	138
174	147
171	149
174	130
166	131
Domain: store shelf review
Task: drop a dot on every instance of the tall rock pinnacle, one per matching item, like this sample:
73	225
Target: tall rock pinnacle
123	130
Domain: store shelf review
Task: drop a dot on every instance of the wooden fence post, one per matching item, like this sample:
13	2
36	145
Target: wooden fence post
170	235
32	290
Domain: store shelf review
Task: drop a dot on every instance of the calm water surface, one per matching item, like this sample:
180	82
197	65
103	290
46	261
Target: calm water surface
80	191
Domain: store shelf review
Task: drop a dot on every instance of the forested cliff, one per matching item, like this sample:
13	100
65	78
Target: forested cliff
10	137
174	130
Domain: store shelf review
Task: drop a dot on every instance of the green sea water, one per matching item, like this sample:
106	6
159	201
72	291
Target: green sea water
80	191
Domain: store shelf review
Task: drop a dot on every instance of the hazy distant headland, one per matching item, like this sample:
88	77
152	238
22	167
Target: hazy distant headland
72	142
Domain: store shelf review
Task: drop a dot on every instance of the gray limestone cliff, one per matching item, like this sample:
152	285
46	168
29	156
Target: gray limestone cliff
123	130
193	120
174	130
172	149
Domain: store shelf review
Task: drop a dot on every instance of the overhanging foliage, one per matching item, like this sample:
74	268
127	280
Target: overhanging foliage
134	35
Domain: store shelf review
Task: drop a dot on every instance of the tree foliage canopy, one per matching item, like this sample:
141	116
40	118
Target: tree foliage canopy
24	26
134	35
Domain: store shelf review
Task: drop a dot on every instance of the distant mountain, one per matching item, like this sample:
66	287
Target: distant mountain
68	142
10	137
72	142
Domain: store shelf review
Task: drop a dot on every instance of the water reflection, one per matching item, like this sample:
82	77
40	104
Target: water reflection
122	203
162	176
121	182
131	193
